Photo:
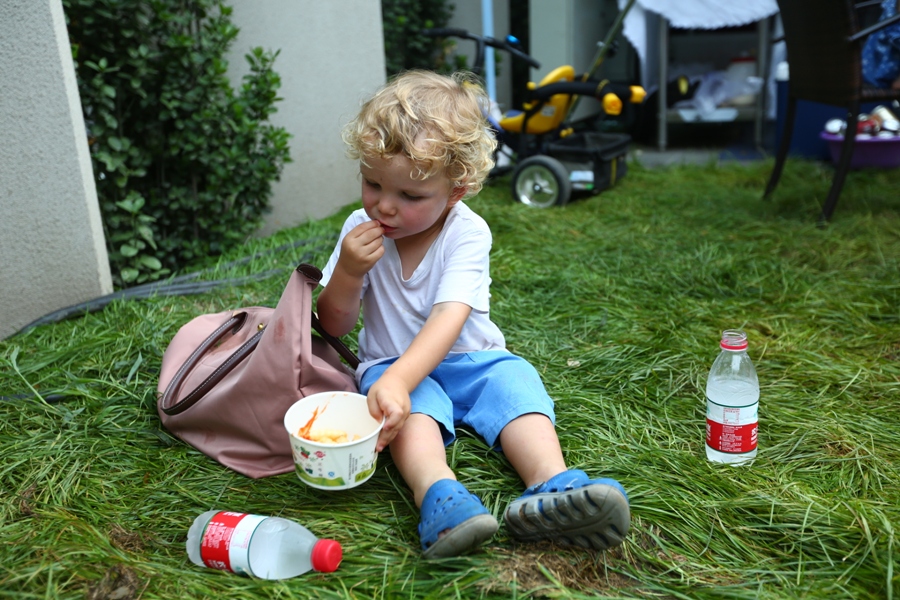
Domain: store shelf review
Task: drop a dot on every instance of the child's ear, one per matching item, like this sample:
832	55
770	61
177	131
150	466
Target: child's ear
456	194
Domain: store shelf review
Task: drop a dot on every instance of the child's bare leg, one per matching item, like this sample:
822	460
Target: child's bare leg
532	447
420	456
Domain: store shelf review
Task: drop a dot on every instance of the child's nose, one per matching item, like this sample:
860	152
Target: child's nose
386	204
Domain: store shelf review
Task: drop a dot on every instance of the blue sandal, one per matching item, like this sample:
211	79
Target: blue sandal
571	509
449	507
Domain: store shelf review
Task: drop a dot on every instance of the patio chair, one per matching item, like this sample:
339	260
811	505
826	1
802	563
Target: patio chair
824	46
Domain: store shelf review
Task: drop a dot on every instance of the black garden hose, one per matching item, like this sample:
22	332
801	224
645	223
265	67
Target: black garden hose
183	285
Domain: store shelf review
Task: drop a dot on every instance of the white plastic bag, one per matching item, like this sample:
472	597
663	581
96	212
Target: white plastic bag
716	88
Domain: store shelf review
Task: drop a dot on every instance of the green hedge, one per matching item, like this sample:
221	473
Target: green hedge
183	162
404	46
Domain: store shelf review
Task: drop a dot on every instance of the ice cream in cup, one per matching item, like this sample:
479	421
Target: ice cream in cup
333	439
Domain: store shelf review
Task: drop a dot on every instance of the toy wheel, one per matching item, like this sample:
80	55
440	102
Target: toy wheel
541	182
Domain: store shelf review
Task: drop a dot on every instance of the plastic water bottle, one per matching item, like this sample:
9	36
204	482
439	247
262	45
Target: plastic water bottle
732	403
264	547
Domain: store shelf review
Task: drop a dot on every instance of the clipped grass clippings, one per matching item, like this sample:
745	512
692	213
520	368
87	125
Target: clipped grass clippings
618	300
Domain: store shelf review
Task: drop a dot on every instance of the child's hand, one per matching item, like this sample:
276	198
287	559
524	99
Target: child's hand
388	398
361	248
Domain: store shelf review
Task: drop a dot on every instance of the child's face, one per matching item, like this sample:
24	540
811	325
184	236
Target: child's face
405	206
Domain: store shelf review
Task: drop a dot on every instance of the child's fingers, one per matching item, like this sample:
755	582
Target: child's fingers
362	239
374	408
394	417
384	439
392	422
367	232
375	250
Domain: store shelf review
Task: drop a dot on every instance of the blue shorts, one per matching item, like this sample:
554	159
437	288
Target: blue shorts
481	390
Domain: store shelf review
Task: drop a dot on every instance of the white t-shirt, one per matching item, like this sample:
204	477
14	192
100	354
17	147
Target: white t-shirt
455	269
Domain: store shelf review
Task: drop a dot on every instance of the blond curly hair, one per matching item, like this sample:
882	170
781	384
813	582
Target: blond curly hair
437	121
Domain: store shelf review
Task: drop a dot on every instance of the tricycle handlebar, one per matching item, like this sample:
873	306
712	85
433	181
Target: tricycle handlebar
508	44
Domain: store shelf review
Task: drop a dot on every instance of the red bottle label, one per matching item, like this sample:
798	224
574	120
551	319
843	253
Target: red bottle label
226	541
732	429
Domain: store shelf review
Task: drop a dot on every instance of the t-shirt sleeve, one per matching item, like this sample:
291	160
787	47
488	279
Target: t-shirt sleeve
466	271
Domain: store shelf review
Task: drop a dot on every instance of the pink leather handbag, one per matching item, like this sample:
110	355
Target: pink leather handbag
228	378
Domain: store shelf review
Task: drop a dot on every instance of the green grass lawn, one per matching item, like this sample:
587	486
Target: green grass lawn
619	301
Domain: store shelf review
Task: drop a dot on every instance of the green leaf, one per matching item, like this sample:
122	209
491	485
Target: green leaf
126	205
145	232
150	262
127	250
128	274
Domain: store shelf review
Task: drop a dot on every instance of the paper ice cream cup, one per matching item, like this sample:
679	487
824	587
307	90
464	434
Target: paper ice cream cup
329	466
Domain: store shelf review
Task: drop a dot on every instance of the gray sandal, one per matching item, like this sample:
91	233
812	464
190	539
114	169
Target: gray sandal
571	509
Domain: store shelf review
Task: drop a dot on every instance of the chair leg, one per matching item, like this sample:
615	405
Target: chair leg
843	165
783	148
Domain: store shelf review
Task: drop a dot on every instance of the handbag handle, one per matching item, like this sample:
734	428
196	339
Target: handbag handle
336	343
233	324
313	273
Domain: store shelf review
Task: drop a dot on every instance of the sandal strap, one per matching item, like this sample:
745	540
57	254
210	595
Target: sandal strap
572	479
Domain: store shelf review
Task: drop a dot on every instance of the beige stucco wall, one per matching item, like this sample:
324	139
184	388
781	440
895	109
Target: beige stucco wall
566	32
52	251
332	57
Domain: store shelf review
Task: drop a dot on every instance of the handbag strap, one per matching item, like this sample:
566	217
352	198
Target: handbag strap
232	325
336	343
313	273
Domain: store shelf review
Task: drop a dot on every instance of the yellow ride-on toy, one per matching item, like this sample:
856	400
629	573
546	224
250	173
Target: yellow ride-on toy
552	155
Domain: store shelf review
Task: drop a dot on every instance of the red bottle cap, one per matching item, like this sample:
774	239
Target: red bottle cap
326	556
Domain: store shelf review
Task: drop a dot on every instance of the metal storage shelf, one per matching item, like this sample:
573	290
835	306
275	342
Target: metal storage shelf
742	114
755	112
